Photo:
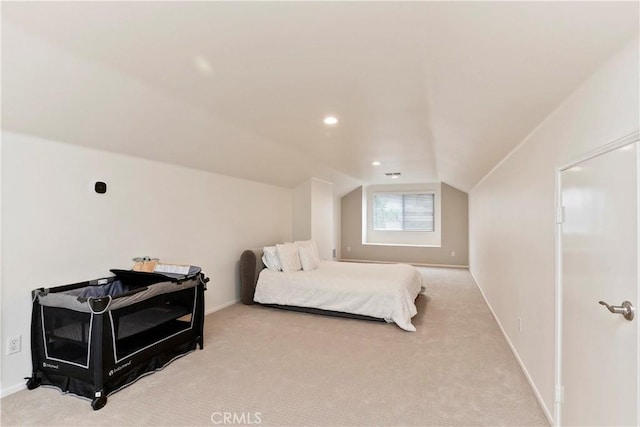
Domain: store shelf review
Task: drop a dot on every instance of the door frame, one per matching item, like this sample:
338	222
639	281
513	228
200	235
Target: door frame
614	145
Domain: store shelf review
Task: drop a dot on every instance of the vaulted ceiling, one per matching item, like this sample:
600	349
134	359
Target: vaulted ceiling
439	91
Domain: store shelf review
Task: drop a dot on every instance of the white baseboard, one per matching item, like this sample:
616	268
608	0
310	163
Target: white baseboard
546	411
416	264
13	389
221	306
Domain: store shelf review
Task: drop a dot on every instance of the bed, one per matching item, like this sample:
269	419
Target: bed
385	292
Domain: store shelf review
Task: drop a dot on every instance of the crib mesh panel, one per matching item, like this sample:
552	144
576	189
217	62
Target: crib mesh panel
147	323
67	334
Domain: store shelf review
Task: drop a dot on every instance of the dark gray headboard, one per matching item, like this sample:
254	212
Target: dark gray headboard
250	267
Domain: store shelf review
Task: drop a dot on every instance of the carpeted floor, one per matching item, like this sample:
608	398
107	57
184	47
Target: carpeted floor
274	367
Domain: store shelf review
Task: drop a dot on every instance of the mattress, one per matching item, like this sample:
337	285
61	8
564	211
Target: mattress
386	291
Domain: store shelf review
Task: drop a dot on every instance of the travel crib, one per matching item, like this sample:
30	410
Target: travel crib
94	338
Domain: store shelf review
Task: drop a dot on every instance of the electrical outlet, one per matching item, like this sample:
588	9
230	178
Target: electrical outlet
348	248
14	345
453	253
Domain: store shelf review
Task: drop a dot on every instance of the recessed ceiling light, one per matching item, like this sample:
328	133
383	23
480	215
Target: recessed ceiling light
376	163
330	120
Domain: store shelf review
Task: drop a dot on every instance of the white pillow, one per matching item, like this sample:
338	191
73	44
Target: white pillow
270	258
308	258
312	245
288	256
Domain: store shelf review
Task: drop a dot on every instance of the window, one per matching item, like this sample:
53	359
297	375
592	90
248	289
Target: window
407	229
403	212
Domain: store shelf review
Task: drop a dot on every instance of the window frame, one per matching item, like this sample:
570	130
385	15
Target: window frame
430	193
401	238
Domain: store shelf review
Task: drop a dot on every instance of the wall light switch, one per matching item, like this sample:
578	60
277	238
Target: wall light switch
453	253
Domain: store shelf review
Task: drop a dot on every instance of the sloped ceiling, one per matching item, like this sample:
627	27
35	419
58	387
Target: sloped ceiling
439	91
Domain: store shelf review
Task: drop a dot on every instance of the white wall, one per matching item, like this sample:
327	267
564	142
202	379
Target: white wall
512	230
56	230
313	215
302	211
322	225
337	226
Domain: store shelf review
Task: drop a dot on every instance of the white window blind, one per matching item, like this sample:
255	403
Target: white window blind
403	212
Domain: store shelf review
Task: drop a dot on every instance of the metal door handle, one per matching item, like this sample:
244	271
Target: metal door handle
626	309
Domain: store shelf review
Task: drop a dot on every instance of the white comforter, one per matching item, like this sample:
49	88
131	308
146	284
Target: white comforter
385	291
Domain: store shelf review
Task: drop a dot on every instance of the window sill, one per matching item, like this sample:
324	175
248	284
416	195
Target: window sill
408	245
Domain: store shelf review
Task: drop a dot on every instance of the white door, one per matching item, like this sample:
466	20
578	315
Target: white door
598	248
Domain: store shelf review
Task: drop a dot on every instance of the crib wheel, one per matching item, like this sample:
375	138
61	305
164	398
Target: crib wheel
98	403
33	383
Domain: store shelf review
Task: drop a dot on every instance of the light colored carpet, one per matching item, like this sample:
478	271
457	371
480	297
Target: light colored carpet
275	367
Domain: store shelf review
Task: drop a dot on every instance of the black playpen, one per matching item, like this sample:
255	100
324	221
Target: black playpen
94	338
